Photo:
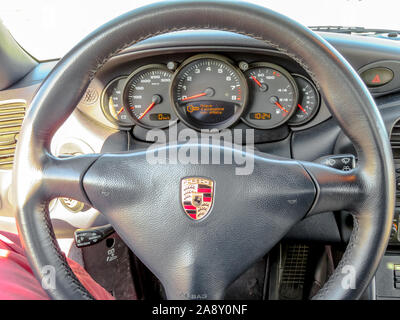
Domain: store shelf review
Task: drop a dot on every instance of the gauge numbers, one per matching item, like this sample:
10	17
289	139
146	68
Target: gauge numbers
308	103
112	104
273	96
146	96
208	92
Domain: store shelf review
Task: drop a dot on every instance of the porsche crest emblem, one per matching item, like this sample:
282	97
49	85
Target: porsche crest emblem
197	196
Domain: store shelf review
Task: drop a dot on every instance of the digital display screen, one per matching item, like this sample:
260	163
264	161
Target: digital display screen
210	112
260	116
160	116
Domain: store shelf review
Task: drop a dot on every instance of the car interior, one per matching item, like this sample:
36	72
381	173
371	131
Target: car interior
207	150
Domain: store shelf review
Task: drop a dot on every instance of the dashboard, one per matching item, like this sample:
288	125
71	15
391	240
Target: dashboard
211	87
210	91
211	80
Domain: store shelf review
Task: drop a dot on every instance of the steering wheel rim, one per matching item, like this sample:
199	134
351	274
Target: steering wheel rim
368	191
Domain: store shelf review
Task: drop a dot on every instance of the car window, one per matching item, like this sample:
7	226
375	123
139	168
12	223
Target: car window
47	29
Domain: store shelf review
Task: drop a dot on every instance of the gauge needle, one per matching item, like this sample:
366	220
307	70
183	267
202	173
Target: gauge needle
263	87
120	110
155	99
195	96
280	107
301	108
147	110
256	81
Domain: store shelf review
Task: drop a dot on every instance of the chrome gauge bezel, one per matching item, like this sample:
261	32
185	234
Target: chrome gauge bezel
318	102
133	74
292	82
244	88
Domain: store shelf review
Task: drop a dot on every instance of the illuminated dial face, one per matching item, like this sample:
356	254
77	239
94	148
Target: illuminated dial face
146	96
308	103
112	104
208	92
272	96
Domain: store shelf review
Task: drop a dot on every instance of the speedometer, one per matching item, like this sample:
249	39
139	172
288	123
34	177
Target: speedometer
146	96
273	96
208	92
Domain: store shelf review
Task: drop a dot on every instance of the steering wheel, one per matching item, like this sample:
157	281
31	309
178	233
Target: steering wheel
250	214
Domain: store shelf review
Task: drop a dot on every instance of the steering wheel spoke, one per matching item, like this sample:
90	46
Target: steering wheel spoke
194	281
62	177
336	189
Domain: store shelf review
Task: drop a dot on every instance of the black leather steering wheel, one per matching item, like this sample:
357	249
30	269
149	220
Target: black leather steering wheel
250	213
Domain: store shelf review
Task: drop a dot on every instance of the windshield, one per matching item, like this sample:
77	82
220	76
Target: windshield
48	29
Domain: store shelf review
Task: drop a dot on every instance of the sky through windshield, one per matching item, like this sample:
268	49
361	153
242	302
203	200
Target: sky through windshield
50	28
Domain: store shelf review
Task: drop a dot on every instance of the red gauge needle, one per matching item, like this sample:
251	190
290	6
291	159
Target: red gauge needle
195	96
256	81
155	99
280	107
301	108
120	110
147	110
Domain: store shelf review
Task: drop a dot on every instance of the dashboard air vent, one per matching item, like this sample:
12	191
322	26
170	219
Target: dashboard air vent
11	116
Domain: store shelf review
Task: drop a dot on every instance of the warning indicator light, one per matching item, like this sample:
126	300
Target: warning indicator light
376	77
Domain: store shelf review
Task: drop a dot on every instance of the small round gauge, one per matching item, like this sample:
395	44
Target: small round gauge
208	92
272	96
308	102
146	96
112	105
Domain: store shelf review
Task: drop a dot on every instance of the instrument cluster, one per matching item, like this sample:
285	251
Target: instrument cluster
210	91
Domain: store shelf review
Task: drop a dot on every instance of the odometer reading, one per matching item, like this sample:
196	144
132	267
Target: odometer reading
260	116
146	96
160	116
273	96
208	92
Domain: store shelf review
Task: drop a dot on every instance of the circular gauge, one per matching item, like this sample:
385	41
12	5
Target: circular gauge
308	101
112	105
208	92
272	96
146	96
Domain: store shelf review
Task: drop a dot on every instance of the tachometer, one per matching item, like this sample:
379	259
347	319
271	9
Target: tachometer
146	96
273	96
208	92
